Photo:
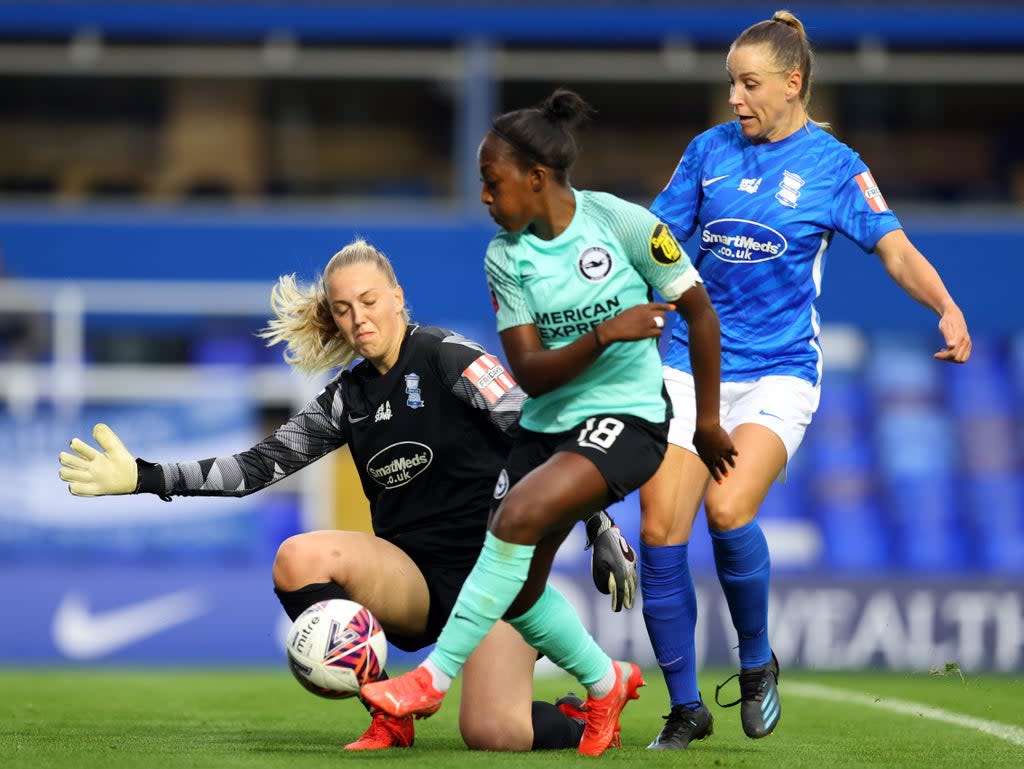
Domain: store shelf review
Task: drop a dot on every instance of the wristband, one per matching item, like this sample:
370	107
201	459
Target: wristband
151	479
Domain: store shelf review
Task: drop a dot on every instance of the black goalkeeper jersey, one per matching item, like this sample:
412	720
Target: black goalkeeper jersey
428	439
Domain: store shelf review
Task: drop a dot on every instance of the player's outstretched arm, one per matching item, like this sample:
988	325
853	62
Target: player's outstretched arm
93	473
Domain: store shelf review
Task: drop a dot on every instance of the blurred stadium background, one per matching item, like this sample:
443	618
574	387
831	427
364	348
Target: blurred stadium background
161	163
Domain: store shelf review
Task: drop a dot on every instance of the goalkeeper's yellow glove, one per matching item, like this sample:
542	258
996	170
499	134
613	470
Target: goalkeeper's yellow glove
92	473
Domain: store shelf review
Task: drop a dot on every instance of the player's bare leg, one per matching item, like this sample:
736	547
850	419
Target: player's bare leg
497	692
373	572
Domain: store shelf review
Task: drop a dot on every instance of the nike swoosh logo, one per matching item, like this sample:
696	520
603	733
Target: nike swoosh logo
769	414
81	634
352	420
712	180
465	618
627	551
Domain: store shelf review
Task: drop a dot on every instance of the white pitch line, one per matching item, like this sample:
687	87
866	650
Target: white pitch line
1013	734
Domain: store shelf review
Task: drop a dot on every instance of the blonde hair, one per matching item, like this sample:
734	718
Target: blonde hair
302	314
786	37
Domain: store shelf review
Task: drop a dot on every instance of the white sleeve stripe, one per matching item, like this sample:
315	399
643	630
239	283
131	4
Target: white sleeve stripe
475	370
500	386
492	392
682	284
482	365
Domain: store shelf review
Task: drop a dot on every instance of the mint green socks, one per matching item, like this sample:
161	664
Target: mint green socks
552	627
488	591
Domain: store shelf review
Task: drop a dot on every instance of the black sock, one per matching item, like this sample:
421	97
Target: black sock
297	601
552	729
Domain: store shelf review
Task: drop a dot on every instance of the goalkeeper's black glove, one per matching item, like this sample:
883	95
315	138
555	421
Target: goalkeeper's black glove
612	562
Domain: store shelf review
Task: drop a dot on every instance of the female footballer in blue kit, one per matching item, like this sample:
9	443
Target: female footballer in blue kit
571	274
766	192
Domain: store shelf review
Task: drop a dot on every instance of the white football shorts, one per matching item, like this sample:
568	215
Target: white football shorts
783	404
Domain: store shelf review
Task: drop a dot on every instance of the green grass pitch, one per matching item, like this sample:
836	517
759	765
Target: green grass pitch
262	719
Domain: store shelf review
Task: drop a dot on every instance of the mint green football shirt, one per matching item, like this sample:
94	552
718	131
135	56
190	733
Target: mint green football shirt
608	259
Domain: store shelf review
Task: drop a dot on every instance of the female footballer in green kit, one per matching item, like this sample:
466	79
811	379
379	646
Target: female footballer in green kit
571	273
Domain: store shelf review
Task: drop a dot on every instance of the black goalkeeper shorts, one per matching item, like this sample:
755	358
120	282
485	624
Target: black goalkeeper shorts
444	584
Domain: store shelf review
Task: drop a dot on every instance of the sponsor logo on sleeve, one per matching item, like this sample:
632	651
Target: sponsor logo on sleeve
664	248
489	377
873	195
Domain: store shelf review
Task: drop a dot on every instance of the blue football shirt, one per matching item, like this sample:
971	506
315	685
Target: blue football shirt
766	214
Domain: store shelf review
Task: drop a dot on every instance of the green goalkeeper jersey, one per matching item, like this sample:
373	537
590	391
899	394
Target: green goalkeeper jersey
608	259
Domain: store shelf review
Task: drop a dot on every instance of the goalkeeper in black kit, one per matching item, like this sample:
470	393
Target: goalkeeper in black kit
427	415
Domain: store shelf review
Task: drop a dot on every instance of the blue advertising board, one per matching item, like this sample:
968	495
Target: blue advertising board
166	616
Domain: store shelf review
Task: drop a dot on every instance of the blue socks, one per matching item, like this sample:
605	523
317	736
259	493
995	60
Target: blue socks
670	613
744	566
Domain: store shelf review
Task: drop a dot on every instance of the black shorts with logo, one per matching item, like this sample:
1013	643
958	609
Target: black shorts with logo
627	450
444	584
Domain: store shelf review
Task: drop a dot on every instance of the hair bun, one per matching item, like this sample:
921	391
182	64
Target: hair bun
565	106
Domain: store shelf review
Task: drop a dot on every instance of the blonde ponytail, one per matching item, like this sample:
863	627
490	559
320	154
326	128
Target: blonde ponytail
302	315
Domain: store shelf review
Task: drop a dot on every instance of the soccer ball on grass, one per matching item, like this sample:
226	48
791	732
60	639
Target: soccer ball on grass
336	646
